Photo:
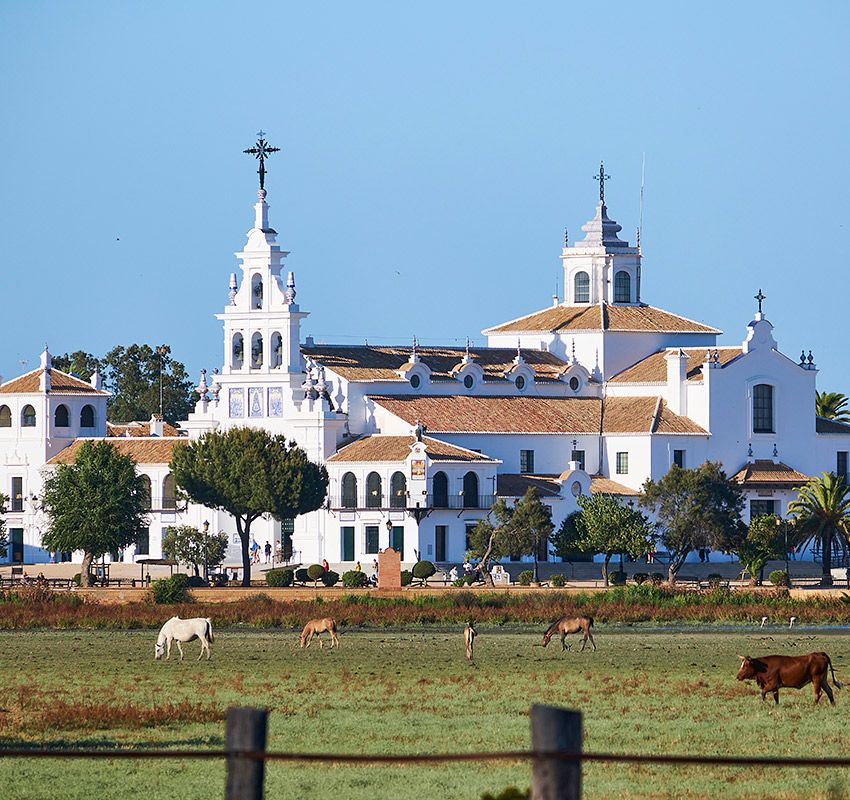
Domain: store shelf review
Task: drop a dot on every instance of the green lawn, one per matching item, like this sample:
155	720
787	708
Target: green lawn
411	693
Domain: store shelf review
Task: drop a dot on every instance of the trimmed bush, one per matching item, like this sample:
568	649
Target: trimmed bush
657	578
617	578
640	577
459	582
779	577
330	578
279	577
469	579
715	579
422	570
353	579
406	577
315	571
77	580
558	580
525	577
301	575
170	590
195	581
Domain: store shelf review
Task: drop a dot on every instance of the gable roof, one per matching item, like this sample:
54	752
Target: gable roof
599	484
151	450
763	472
60	383
397	448
367	363
824	425
483	414
653	368
602	317
517	484
138	429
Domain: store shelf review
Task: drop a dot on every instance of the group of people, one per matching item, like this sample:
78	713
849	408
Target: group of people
257	552
372	579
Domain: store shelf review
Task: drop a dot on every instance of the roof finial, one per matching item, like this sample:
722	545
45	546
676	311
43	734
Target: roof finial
233	286
261	151
518	349
467	347
601	177
566	238
289	294
760	297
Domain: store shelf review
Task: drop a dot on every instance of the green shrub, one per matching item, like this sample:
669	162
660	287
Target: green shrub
511	793
167	591
458	582
715	579
558	580
470	579
195	581
406	577
330	578
422	570
657	578
280	577
525	577
617	578
779	577
315	571
640	577
301	575
77	580
353	579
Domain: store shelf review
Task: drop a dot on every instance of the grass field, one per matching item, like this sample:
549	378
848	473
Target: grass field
411	693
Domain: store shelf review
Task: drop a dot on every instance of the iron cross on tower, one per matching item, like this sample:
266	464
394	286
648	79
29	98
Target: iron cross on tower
601	177
261	150
760	297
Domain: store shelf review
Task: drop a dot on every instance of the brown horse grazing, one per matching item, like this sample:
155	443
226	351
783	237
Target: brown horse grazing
567	625
469	634
316	626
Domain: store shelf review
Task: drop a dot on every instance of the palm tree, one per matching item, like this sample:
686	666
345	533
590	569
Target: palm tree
832	405
822	512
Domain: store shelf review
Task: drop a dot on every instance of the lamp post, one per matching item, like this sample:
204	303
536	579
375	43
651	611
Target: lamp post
206	527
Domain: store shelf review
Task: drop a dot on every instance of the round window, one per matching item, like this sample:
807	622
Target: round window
468	381
415	380
576	488
520	382
574	383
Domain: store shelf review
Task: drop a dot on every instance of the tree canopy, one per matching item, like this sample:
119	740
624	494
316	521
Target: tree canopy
188	545
832	405
822	516
605	525
247	472
96	504
695	508
132	374
765	540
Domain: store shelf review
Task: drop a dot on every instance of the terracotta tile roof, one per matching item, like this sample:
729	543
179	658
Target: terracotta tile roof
599	484
516	485
366	363
653	369
139	429
483	414
60	383
602	316
397	448
152	450
824	425
765	472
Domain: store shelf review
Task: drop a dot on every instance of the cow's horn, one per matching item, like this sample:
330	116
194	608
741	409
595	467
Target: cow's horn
744	658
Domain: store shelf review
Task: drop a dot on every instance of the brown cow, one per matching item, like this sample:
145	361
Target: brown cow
773	673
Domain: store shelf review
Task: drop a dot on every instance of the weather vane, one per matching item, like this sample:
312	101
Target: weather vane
760	297
261	150
601	177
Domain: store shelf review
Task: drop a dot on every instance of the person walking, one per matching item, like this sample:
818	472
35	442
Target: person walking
268	552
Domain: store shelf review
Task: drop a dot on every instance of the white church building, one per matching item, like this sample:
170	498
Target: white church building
593	394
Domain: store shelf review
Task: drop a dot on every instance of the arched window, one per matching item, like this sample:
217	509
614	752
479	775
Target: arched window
763	408
276	354
622	287
441	490
169	498
374	496
256	291
470	490
238	351
87	417
581	290
146	492
349	490
257	350
28	417
398	490
60	416
5	417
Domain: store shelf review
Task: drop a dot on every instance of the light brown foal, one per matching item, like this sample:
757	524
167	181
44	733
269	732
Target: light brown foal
567	625
316	626
469	634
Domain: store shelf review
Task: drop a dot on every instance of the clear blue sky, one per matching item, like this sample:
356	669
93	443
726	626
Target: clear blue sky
432	155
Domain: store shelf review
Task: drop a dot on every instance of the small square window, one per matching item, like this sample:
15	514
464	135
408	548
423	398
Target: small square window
526	461
622	463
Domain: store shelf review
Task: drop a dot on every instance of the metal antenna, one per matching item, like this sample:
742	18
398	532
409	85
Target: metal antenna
640	218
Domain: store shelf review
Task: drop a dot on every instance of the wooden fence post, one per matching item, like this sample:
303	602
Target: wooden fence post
245	732
552	730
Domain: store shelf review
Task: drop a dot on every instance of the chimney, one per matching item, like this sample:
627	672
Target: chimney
95	380
156	425
677	381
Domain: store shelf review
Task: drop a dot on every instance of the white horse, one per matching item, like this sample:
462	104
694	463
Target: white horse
184	630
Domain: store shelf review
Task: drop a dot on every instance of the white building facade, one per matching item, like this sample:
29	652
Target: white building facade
596	393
